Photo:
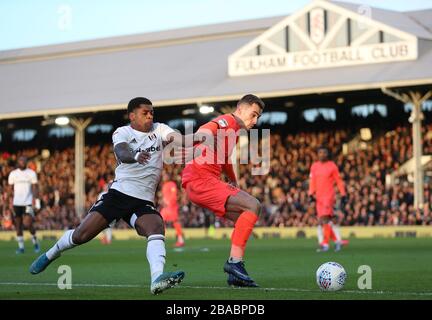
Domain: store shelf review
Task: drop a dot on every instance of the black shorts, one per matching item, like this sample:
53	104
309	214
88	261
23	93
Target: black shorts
208	217
115	205
20	211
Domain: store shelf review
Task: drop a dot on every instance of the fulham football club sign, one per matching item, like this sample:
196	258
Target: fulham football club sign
322	35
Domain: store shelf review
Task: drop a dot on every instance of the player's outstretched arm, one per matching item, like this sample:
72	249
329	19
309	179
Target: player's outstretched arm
178	139
312	183
35	192
125	155
339	182
189	140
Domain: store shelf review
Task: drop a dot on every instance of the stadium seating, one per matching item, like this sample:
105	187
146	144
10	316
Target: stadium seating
283	192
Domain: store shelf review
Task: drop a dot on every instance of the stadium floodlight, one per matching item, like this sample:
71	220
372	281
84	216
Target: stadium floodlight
204	109
187	112
62	121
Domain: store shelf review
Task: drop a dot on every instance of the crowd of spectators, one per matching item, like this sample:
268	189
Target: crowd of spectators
282	192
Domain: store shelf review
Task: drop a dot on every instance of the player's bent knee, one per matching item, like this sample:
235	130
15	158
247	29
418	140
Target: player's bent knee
148	230
156	231
256	206
79	237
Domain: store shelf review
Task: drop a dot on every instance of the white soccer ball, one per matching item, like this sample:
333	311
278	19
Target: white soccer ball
331	276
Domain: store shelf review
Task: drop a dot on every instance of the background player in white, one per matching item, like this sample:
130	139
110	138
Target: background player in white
25	199
138	149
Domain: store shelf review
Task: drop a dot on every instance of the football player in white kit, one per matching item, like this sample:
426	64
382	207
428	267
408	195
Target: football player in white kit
24	181
138	148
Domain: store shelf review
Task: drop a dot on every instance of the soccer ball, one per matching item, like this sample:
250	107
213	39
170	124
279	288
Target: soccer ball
331	276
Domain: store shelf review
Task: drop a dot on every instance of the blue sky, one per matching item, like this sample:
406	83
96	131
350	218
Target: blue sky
28	23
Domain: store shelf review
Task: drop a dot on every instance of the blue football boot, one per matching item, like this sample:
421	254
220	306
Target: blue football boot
40	264
166	280
233	281
237	270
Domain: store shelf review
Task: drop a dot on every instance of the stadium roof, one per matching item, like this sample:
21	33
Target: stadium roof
185	66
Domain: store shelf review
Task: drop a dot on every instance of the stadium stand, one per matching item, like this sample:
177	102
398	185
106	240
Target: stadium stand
283	192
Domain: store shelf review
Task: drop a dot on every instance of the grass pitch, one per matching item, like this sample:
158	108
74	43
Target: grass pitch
284	269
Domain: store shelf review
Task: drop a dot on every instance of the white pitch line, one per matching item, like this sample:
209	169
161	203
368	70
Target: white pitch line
73	284
213	288
315	291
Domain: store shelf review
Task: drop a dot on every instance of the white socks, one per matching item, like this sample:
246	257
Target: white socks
63	244
320	234
108	234
180	239
336	231
156	254
234	260
20	240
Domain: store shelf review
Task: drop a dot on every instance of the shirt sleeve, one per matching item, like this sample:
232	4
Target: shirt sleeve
34	179
340	184
312	188
119	136
11	179
165	130
211	126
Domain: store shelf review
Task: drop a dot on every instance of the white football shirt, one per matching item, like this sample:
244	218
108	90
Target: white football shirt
134	179
22	181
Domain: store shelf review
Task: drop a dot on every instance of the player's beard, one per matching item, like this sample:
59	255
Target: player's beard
144	126
147	125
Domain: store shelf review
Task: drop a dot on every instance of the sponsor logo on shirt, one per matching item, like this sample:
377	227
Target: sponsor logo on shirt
223	123
149	149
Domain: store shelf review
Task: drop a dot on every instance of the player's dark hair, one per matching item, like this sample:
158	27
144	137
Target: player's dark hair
329	155
251	99
135	103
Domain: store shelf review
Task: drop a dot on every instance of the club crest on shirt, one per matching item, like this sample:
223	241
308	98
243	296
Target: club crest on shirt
152	137
222	123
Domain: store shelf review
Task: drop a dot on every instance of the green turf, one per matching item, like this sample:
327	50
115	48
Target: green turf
285	269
